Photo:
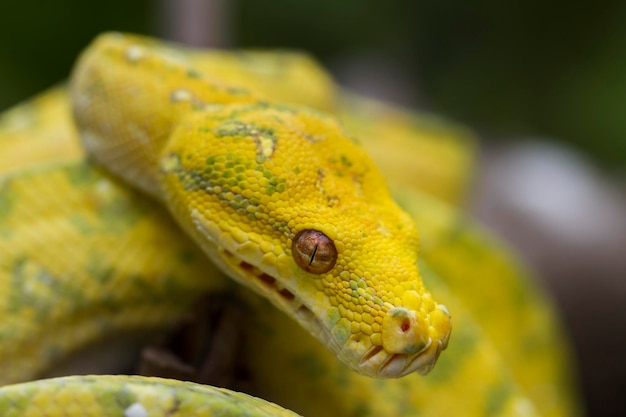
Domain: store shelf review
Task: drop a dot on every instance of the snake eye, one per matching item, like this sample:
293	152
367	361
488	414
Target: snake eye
313	251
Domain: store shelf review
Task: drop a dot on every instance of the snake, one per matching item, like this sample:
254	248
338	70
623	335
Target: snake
280	198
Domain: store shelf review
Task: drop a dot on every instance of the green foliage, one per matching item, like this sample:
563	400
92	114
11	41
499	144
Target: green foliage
506	68
39	40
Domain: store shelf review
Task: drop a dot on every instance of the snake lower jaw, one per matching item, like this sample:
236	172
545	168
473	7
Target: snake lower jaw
379	363
421	363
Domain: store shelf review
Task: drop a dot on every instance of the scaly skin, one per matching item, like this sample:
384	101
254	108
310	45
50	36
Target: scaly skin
38	133
244	177
63	228
288	366
299	381
128	396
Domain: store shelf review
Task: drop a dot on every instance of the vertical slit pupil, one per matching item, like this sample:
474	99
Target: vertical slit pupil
313	255
313	251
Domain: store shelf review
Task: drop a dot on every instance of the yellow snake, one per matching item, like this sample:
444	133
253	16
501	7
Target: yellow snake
277	195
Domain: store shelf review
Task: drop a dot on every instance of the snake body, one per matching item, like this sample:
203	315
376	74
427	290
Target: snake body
316	374
130	397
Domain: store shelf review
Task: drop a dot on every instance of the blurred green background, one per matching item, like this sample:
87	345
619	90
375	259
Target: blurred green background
555	69
509	70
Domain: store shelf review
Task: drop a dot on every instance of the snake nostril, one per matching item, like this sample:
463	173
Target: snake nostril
406	325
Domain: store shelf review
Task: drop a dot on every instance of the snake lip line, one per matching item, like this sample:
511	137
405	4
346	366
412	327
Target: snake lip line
285	297
422	362
260	281
391	365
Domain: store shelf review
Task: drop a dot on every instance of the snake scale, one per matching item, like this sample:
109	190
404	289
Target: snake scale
281	199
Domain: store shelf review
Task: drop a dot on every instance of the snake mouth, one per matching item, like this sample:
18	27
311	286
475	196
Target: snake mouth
383	364
410	343
278	294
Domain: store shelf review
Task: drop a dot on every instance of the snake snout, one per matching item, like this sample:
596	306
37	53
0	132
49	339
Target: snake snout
413	342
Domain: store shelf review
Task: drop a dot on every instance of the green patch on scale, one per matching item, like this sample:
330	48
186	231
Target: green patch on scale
275	183
345	161
236	128
239	203
332	317
342	332
114	399
281	227
264	138
27	274
16	399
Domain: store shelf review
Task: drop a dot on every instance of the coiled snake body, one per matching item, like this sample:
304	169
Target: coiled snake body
284	202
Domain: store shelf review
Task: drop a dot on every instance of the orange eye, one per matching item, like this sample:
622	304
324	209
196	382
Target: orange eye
313	251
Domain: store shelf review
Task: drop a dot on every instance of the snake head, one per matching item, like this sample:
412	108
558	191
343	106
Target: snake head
278	196
287	204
